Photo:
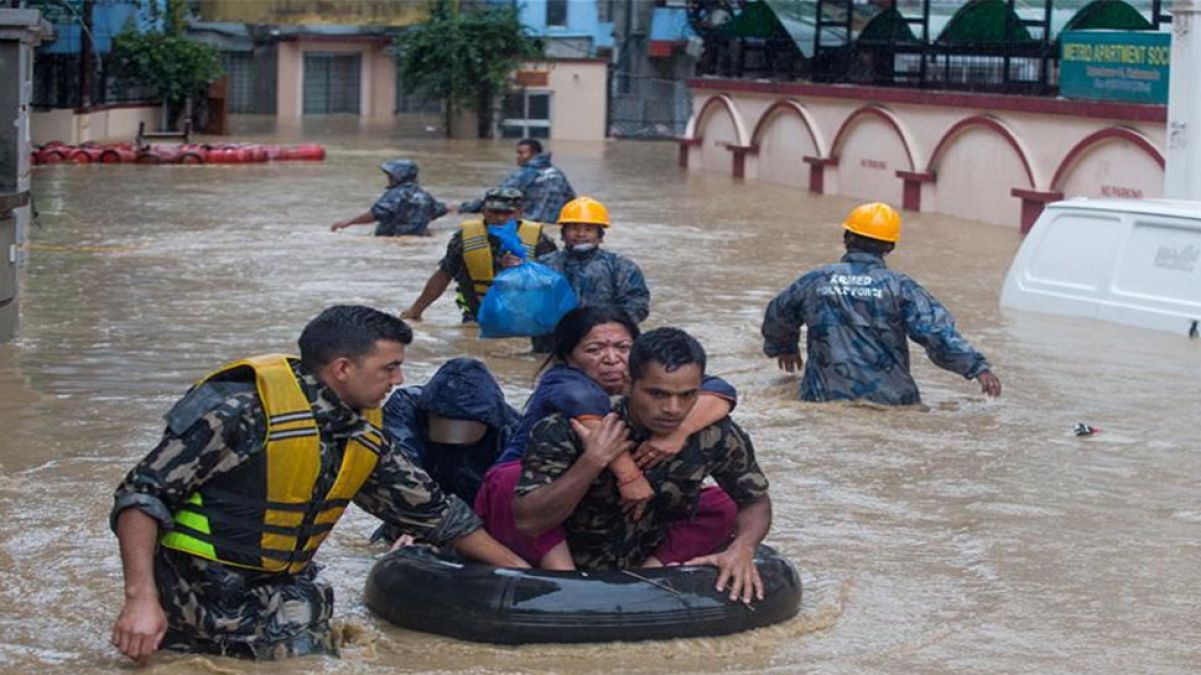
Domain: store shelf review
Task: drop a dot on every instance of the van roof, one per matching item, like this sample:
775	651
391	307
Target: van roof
1166	207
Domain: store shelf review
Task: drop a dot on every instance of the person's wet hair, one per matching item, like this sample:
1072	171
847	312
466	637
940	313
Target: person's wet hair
858	242
532	145
349	331
671	348
575	325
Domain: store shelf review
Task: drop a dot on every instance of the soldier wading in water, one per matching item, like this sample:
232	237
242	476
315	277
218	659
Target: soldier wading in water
219	524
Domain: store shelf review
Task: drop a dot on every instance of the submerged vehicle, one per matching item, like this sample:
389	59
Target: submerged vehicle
420	589
1130	261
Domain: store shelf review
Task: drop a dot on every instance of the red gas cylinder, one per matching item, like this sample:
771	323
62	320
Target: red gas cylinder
86	154
53	155
312	152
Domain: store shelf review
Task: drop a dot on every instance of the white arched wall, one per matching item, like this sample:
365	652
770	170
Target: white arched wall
869	156
975	153
1114	168
718	126
784	139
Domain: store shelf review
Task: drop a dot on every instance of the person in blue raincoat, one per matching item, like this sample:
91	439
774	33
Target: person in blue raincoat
545	187
454	427
405	209
598	277
860	314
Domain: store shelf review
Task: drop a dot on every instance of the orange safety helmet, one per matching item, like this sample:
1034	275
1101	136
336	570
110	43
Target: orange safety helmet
586	211
876	220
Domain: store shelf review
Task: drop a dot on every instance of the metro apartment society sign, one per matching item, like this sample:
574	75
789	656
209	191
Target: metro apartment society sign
1111	65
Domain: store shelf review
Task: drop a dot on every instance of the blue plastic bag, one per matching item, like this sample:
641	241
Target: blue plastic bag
525	301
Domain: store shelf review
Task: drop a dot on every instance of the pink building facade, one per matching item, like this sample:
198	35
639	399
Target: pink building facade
986	157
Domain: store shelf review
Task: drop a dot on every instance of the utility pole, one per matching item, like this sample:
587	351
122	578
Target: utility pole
87	50
1182	178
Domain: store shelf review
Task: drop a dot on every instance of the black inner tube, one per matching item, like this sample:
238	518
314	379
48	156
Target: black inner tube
420	589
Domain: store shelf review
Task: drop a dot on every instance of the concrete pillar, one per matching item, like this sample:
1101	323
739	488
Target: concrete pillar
20	31
1182	177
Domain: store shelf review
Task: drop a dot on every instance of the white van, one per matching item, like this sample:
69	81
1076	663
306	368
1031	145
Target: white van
1136	262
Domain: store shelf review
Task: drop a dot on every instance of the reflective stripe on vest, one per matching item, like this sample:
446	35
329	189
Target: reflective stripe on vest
477	251
212	524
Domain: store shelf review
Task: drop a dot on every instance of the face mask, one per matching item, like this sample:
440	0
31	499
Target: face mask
583	248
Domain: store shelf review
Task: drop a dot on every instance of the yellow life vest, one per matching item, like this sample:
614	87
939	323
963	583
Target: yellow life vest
477	251
263	515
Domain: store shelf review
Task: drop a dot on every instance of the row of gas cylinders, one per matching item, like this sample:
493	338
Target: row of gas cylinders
188	153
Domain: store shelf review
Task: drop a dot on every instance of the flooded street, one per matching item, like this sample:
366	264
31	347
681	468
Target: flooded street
976	536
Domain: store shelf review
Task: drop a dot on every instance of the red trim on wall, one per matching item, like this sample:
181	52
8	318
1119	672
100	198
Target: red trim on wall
1134	112
817	172
820	161
686	143
740	153
1098	137
875	111
988	123
911	190
911	195
1033	203
785	104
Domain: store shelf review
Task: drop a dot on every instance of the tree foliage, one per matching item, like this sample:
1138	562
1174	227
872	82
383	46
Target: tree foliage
165	59
464	58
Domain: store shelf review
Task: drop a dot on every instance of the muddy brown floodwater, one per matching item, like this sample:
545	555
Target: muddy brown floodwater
975	536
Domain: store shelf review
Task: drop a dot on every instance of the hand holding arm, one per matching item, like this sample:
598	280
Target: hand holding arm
709	409
550	505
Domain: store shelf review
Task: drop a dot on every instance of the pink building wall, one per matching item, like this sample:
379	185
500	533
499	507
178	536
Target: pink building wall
985	157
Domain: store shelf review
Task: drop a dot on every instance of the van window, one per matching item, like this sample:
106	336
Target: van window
1076	251
1162	261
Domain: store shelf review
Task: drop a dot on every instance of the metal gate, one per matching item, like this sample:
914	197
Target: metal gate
331	83
648	107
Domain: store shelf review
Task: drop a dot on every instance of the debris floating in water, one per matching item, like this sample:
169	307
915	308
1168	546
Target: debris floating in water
1082	429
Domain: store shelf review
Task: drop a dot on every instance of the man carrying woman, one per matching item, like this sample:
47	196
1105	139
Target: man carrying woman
588	365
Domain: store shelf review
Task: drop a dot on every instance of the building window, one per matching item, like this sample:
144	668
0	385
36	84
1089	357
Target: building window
556	12
525	114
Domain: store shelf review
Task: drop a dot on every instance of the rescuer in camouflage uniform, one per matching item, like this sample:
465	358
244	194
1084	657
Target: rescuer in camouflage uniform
405	209
544	185
191	515
859	314
597	276
502	206
565	462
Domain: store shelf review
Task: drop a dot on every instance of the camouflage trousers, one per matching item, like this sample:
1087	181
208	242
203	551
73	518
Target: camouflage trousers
215	609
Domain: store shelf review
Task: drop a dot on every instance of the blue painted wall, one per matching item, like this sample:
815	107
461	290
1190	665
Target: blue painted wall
583	20
109	18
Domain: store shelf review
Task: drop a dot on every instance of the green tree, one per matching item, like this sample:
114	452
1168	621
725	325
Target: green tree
464	58
162	57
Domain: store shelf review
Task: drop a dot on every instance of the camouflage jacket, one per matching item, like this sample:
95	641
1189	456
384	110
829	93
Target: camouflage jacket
405	209
601	277
218	426
217	608
859	314
544	185
600	534
453	264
